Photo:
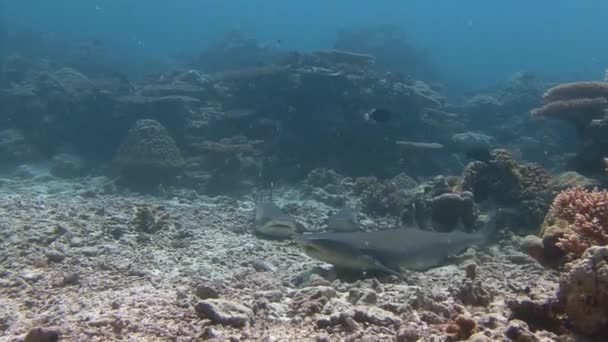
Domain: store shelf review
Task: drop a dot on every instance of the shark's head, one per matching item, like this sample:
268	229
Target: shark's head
280	228
271	222
340	254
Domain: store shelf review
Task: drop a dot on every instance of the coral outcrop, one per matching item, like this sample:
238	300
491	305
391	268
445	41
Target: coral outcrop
508	182
148	154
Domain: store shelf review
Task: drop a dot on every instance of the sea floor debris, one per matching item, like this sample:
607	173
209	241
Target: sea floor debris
65	271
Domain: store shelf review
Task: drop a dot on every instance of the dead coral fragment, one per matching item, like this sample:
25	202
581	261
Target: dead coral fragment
586	215
149	220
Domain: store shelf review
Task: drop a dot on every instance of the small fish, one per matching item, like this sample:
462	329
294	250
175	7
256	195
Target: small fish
271	222
377	115
344	220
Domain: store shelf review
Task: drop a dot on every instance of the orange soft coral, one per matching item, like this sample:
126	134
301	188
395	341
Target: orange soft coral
586	214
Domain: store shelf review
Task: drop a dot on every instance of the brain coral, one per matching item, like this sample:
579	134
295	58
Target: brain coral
149	147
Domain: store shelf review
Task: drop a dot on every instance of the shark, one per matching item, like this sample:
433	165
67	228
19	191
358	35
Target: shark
271	222
344	220
392	251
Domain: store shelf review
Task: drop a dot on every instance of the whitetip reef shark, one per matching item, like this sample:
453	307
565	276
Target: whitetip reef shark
392	251
271	222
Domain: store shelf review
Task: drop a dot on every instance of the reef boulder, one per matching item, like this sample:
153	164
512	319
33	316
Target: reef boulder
583	291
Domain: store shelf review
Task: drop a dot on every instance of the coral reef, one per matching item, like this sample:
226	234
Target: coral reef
306	107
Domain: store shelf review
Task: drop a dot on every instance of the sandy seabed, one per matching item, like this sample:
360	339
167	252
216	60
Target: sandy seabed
75	260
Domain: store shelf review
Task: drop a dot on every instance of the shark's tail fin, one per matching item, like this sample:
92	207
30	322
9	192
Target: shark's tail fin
497	221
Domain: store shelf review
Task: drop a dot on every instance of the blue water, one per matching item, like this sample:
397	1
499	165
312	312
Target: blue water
474	42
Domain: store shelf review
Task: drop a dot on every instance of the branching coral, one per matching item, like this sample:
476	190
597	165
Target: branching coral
586	215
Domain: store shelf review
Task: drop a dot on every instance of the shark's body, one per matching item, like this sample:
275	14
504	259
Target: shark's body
270	221
390	250
344	220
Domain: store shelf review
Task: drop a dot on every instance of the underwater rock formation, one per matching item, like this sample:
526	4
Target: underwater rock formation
583	292
584	105
148	156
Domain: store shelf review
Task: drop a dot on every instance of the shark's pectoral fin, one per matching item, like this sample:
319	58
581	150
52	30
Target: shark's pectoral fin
377	264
